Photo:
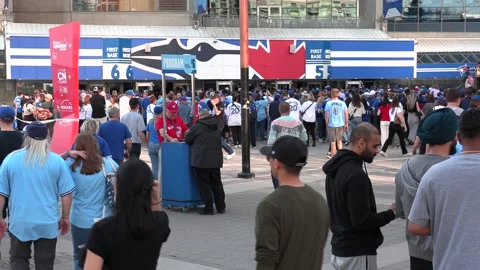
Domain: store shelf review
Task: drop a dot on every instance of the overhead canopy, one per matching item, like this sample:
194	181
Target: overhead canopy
448	45
25	29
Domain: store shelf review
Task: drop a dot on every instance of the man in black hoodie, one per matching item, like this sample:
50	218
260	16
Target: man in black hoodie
354	220
206	159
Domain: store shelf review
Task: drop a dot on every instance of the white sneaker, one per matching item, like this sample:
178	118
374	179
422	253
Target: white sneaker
407	154
383	154
230	156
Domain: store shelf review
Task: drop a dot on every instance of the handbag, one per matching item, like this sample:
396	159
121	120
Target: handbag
350	117
109	189
302	113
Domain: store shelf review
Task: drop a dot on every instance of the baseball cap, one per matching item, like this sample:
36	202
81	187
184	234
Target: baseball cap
172	107
277	96
36	131
204	113
133	102
182	98
289	150
129	93
157	110
372	92
7	113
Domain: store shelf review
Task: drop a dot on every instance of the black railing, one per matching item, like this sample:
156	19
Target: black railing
288	22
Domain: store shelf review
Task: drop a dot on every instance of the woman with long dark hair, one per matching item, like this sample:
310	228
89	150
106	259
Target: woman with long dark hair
355	112
133	237
397	126
89	200
383	110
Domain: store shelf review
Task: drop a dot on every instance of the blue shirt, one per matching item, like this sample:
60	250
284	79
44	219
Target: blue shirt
33	193
336	109
103	146
114	133
203	105
160	101
261	105
89	196
18	102
145	103
153	133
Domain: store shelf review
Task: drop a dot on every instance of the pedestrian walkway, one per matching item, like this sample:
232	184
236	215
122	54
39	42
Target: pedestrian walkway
227	241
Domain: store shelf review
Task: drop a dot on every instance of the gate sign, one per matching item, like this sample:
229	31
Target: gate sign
179	63
318	63
392	8
117	62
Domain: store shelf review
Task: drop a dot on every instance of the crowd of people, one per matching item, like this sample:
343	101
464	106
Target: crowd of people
110	199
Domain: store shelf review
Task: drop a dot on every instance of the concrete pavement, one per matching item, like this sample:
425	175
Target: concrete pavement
227	241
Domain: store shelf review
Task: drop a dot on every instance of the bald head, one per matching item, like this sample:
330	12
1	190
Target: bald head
363	131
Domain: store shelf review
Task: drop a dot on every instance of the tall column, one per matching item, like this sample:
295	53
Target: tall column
246	173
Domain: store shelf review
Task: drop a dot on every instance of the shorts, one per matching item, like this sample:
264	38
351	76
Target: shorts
335	134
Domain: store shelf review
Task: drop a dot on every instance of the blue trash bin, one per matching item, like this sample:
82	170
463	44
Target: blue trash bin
179	188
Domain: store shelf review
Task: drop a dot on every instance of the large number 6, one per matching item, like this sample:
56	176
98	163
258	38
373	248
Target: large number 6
129	72
115	73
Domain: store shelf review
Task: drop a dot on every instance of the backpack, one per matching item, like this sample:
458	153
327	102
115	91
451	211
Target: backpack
253	112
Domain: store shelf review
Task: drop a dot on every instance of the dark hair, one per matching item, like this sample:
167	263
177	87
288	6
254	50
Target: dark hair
469	125
356	100
236	98
201	95
430	98
385	101
292	170
441	102
93	164
133	198
284	107
363	131
395	102
452	95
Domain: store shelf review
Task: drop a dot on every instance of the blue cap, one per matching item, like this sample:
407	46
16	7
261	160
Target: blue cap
476	97
400	90
182	98
291	93
129	93
36	131
188	93
7	113
276	96
441	99
157	110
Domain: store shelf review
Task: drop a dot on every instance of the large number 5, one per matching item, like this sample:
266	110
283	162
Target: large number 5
115	73
319	71
129	72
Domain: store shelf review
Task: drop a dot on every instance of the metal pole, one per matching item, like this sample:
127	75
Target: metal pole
193	98
246	173
164	106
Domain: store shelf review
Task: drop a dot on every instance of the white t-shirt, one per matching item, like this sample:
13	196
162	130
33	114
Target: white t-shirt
124	105
393	112
88	111
309	111
294	107
234	114
150	109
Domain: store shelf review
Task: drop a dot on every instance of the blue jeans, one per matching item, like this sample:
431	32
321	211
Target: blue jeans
261	129
226	147
79	237
153	153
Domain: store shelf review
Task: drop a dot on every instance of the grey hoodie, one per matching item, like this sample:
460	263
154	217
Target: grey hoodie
406	183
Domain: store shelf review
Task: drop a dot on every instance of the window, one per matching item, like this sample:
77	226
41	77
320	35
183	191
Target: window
128	5
294	8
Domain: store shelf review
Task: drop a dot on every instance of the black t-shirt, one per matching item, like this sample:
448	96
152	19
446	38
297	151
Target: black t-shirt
9	142
220	107
98	106
120	251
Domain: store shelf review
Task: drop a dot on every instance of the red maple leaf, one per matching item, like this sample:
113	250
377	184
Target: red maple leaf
279	63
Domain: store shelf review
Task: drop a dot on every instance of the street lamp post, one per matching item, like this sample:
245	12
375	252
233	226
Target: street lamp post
246	172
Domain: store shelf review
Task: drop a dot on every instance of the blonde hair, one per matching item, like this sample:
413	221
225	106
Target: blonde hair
335	92
311	97
37	151
90	126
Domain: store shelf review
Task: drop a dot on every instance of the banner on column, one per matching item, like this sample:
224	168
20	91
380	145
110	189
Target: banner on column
117	63
64	54
318	60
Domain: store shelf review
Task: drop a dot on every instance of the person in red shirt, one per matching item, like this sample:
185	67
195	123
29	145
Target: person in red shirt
176	128
383	110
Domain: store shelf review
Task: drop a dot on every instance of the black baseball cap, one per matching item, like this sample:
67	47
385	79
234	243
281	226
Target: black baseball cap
289	150
37	131
133	102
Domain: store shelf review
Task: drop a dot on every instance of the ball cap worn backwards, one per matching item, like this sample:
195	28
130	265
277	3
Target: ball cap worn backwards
289	150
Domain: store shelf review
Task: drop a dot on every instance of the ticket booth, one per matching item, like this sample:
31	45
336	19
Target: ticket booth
221	85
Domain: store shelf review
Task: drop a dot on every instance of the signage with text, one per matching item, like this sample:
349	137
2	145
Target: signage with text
183	63
64	55
318	60
117	62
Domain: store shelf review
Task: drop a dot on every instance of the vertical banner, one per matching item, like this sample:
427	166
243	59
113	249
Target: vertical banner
117	62
64	54
392	8
318	64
